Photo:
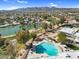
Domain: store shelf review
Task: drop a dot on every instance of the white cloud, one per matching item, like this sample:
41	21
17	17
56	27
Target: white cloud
53	5
5	0
12	8
21	1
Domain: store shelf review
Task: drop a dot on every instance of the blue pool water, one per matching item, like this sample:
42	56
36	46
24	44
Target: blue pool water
47	48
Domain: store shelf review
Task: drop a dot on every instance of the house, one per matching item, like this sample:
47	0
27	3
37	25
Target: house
72	35
76	38
68	31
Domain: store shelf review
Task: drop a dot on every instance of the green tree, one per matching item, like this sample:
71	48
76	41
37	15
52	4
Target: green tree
35	26
53	21
0	36
11	51
45	16
11	48
20	19
22	27
34	23
77	18
22	36
50	26
29	19
62	19
44	26
2	40
33	35
61	37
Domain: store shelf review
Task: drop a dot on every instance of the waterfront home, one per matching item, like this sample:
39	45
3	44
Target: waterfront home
15	23
69	55
76	38
5	25
72	35
68	31
46	22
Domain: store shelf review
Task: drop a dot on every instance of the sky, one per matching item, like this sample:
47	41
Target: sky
14	4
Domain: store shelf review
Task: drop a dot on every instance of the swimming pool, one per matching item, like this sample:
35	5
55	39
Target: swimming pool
48	48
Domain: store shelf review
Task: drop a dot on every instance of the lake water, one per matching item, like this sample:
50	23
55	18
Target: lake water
10	30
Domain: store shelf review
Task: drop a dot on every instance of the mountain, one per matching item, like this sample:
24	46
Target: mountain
34	10
39	9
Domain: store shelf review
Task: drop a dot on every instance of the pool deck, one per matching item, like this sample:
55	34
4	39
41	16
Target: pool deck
33	55
61	55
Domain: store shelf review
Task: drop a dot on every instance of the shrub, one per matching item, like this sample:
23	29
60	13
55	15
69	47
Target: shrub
61	37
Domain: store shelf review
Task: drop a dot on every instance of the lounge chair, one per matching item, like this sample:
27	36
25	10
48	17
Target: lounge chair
78	57
68	56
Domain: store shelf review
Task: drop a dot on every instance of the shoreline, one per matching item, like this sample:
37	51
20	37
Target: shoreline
6	25
8	36
31	30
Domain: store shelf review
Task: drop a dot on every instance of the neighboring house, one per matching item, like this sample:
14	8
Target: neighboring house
72	34
76	38
68	31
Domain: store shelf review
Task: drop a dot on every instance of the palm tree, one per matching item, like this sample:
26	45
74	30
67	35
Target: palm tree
31	44
22	36
22	23
34	35
62	20
2	40
61	37
45	26
22	26
35	26
54	21
0	35
50	26
34	22
11	50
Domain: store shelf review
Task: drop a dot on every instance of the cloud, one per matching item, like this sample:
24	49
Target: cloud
21	1
12	8
5	0
53	5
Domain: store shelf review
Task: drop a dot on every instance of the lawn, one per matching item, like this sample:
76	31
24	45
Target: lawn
3	54
74	47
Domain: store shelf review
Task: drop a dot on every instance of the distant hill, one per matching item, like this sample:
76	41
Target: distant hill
37	9
33	10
